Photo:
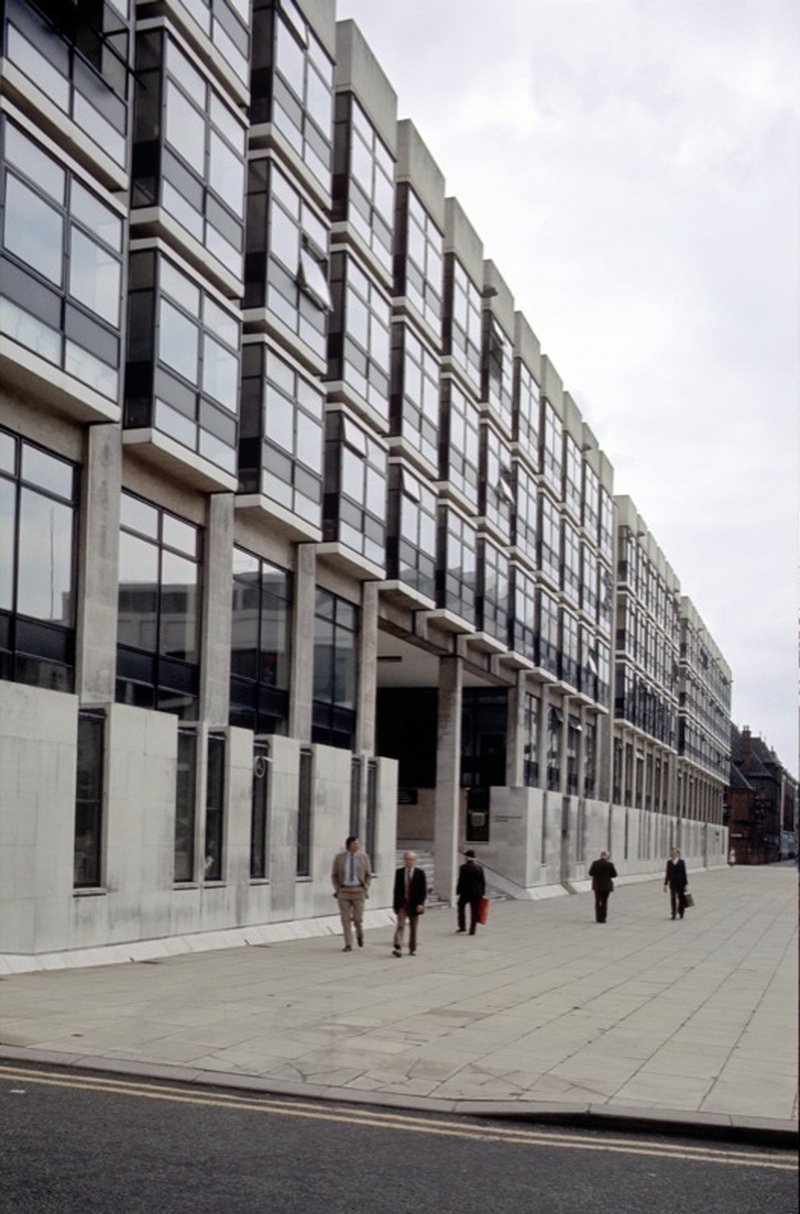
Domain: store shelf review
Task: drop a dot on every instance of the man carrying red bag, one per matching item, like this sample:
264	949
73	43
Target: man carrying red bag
470	890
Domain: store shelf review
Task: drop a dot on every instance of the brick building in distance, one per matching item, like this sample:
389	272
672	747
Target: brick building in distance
761	815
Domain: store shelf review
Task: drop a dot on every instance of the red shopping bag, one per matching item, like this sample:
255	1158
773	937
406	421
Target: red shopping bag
483	910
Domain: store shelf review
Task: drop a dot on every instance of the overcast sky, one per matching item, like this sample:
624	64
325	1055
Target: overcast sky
632	168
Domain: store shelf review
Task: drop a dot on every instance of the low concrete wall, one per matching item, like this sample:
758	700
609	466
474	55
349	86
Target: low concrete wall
541	839
40	910
38	746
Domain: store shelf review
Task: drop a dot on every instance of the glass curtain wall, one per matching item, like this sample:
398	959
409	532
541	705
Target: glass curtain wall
38	566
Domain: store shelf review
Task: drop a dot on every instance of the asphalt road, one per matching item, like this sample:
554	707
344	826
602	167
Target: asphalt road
83	1142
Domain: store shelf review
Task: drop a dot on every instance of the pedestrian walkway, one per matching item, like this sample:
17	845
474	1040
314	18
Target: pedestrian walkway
544	1012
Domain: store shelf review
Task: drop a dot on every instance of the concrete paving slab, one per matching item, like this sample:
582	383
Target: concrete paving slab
540	1010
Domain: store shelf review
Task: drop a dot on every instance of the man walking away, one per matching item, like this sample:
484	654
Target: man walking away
676	878
470	888
351	875
602	872
410	892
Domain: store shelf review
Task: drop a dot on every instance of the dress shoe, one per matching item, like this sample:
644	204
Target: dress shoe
395	952
360	941
347	949
460	929
412	952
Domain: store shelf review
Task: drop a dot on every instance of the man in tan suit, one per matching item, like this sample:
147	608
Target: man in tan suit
351	875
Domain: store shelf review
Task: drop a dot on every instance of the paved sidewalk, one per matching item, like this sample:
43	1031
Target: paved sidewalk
543	1013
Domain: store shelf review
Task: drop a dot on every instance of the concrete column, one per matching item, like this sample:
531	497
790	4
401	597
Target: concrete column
544	727
217	582
367	668
515	733
302	683
448	776
96	657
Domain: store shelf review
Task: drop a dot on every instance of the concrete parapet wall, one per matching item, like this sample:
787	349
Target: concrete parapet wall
41	911
541	839
38	745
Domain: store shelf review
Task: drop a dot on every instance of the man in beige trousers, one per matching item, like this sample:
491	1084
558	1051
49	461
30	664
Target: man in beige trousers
351	875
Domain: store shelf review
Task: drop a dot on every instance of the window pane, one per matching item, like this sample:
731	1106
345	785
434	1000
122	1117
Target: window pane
309	442
357	320
284	238
180	535
226	173
88	800
220	322
102	132
94	276
273	665
215	807
138	593
185	806
29	331
178	286
323	659
139	516
319	102
39	468
313	280
34	162
244	637
290	59
279	421
38	67
34	231
45	558
179	622
244	563
186	128
180	67
105	224
7	524
345	670
220	373
182	209
178	341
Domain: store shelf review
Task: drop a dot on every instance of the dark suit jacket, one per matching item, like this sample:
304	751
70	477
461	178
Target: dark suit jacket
602	872
419	889
471	881
676	875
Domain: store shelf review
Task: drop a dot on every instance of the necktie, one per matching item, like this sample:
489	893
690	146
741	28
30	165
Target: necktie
409	871
351	869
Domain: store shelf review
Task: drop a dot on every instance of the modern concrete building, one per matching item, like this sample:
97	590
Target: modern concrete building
672	705
300	533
